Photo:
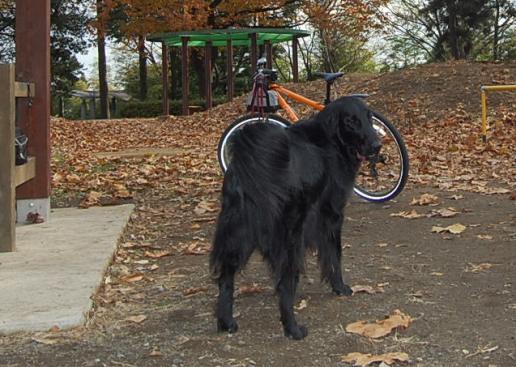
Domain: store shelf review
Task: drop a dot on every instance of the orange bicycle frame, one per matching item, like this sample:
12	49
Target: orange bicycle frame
296	97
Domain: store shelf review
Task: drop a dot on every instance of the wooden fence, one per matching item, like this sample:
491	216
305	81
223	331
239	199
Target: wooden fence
11	175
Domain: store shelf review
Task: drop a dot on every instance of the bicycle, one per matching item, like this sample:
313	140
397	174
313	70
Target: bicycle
382	178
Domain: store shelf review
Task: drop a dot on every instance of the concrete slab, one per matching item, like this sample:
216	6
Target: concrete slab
58	265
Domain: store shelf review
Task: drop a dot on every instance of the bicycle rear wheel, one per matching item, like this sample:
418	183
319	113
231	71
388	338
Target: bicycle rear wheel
224	152
384	178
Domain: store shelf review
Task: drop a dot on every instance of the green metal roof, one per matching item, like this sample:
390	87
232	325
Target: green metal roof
219	37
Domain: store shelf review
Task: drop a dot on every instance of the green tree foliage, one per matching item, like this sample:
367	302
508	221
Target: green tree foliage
68	37
436	30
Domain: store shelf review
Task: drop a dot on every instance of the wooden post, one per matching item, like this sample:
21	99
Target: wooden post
254	52
7	134
33	64
229	67
268	54
186	79
164	72
295	67
207	74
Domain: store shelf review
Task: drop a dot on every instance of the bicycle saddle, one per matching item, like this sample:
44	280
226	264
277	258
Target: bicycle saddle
329	77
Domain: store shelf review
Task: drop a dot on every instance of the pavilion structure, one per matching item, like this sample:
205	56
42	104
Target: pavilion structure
229	38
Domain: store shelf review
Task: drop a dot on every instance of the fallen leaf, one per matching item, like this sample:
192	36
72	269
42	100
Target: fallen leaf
363	360
484	237
250	289
380	328
407	214
425	199
138	319
476	268
45	341
456	228
456	197
302	305
91	199
155	353
192	291
366	289
158	254
444	213
437	274
206	206
136	277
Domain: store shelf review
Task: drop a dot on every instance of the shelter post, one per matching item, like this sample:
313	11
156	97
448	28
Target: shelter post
207	71
164	72
254	51
33	64
268	52
230	79
185	71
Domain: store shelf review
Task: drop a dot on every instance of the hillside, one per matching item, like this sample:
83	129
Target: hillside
436	107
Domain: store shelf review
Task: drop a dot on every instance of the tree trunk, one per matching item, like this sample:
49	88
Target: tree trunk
496	35
453	31
101	46
142	58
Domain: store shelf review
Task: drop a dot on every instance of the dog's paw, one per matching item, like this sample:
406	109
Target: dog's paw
344	290
297	332
230	326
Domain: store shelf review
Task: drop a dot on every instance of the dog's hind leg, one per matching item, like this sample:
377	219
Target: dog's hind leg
287	266
287	291
231	250
224	312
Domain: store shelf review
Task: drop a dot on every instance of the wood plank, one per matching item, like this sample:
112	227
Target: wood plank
25	172
24	90
7	135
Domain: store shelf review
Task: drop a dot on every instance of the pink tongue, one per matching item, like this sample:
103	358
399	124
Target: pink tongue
360	157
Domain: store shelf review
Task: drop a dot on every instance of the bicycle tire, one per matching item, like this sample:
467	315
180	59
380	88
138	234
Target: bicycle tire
394	146
223	149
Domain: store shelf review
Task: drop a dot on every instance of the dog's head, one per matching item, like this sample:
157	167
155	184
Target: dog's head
348	122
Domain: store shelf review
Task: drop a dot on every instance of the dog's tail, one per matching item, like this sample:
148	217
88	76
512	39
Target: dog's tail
252	194
260	164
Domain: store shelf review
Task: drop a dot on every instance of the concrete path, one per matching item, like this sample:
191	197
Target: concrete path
57	267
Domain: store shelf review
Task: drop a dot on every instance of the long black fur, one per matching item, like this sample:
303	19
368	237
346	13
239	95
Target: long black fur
284	190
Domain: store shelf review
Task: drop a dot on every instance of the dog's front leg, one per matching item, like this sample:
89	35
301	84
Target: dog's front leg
330	253
224	313
287	291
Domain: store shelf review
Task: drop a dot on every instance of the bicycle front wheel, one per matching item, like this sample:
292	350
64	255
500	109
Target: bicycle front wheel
384	178
224	152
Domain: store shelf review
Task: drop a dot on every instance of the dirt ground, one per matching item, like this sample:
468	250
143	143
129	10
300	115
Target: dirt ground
463	311
155	307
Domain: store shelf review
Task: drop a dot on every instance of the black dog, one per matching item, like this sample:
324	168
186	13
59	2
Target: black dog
285	189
